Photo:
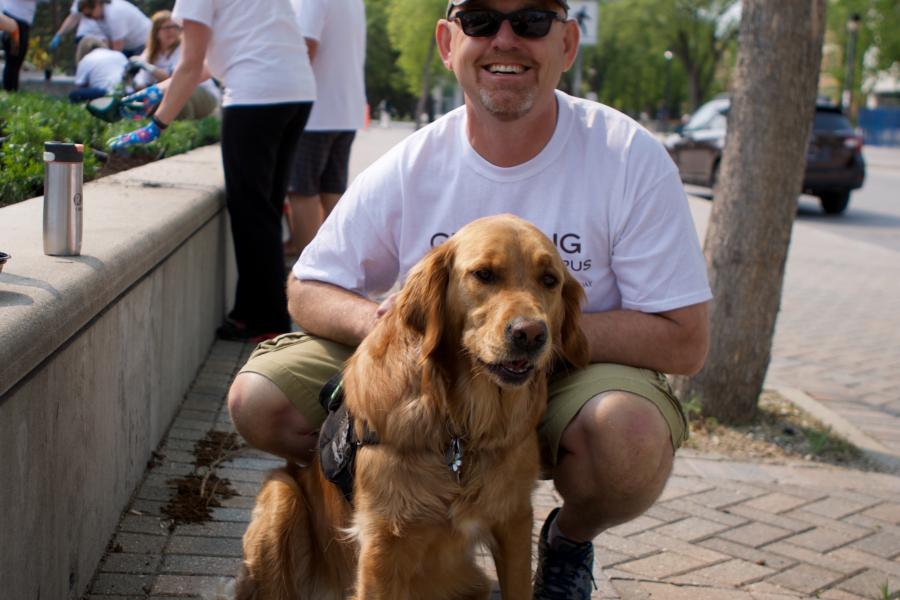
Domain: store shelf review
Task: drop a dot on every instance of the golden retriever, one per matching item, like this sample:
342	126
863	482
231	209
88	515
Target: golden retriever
458	367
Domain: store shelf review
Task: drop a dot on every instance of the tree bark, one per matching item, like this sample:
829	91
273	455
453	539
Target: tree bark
749	231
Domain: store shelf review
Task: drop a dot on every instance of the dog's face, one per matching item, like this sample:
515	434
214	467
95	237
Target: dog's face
498	292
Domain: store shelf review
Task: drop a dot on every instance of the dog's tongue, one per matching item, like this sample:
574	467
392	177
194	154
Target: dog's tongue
516	365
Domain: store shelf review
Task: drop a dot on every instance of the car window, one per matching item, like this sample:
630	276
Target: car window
712	115
831	121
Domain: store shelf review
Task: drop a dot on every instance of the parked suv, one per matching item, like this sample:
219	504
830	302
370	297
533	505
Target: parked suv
834	162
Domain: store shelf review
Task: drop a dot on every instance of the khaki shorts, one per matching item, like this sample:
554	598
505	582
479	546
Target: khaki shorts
300	364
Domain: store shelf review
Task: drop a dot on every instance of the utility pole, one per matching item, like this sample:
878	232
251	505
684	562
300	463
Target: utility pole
852	31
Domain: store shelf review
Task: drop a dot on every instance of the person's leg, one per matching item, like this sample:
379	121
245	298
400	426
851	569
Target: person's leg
14	60
273	402
608	436
303	190
334	177
256	146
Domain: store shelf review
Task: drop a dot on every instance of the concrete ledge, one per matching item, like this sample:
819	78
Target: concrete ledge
96	352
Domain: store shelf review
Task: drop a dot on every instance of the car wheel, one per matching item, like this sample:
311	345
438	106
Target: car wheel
834	203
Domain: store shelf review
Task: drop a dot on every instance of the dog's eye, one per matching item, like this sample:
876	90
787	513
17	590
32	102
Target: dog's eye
549	279
485	275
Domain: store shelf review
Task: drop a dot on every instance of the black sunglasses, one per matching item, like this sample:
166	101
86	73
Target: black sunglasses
527	22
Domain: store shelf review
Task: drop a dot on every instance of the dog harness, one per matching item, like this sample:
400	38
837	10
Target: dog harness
339	442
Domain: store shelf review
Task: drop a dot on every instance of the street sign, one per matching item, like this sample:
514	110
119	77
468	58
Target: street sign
587	14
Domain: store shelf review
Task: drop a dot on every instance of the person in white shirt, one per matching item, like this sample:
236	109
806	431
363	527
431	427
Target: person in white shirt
600	186
99	71
335	33
125	26
84	27
254	47
15	45
158	61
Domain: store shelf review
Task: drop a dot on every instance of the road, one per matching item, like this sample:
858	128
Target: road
873	216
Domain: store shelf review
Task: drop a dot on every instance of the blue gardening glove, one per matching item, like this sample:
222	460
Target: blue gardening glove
140	104
55	41
144	135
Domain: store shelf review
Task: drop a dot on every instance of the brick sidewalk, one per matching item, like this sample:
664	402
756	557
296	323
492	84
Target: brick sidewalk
722	530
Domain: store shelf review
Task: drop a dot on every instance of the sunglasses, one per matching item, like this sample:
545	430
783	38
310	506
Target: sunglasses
526	23
168	27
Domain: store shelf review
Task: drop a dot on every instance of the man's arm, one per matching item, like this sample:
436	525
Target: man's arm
674	341
329	311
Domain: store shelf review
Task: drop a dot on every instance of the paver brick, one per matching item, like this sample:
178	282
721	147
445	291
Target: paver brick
204	546
689	507
888	512
634	526
864	559
190	585
753	514
805	578
662	565
139	543
836	507
121	584
183	564
776	503
883	544
732	573
753	555
870	583
216	529
721	497
691	529
823	539
755	534
804	555
143	524
117	562
666	591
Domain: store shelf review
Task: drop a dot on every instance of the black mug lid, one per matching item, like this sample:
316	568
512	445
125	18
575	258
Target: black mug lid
63	152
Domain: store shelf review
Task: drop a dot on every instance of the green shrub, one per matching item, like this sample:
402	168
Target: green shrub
29	120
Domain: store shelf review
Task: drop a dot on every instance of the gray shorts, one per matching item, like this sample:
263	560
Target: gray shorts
321	163
300	364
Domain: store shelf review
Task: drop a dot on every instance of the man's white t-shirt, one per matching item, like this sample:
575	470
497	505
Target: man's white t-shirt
86	27
256	50
21	10
339	65
124	21
101	68
603	189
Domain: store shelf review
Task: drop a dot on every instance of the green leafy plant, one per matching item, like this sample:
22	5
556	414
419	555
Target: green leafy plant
29	120
886	593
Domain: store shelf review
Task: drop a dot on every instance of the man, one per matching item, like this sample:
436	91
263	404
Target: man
592	179
99	71
125	26
335	34
84	27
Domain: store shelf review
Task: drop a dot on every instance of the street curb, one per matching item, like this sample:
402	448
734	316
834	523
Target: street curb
873	449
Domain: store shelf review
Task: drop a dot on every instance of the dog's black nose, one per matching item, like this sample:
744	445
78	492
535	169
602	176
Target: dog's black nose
526	335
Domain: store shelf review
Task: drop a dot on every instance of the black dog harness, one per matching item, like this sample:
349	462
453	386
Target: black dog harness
339	442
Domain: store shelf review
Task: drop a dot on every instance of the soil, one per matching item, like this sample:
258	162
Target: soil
197	493
780	433
115	163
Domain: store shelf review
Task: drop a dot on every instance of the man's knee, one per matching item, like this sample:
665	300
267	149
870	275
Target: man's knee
261	412
623	445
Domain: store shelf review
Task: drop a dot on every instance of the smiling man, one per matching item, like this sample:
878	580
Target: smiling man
597	184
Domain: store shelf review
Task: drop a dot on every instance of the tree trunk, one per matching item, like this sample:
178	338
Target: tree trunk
762	171
426	83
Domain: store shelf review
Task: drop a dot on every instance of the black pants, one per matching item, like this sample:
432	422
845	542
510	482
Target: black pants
14	61
258	145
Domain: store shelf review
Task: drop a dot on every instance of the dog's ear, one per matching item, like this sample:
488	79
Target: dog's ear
573	344
422	303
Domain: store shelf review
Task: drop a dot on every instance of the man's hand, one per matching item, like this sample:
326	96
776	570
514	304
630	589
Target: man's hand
140	104
144	135
54	42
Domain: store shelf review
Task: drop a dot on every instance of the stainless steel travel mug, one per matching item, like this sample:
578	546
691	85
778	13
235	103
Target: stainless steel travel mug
63	179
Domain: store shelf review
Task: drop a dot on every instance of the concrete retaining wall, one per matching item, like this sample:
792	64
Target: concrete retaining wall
96	353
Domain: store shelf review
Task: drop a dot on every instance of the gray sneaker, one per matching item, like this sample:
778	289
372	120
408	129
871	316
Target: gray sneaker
564	573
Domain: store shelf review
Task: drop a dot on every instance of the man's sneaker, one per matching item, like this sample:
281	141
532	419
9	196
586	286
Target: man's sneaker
564	572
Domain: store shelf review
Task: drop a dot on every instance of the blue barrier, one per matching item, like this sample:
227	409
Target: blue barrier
880	126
